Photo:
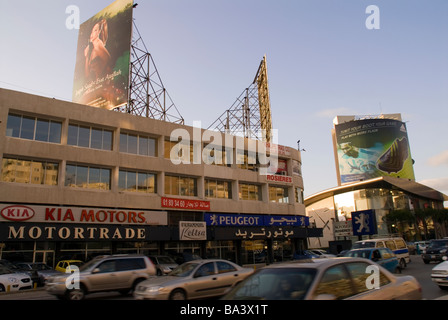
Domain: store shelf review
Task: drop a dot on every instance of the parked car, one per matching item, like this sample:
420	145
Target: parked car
420	246
325	279
304	254
322	253
383	256
104	273
396	244
193	280
42	270
436	250
439	274
64	265
164	264
13	281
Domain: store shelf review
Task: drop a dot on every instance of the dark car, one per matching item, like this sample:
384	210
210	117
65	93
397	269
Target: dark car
435	251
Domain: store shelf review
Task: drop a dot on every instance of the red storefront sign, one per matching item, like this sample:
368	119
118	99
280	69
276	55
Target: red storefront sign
185	204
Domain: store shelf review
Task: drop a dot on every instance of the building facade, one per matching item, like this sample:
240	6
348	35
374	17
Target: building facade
332	210
79	181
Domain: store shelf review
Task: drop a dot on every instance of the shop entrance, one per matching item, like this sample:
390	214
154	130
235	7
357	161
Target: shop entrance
265	251
45	256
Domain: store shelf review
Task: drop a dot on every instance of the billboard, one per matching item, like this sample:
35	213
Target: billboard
371	148
103	57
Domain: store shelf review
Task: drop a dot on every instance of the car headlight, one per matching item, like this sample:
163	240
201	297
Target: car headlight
443	251
13	280
153	289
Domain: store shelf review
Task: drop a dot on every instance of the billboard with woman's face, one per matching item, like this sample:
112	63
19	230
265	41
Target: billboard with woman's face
103	57
371	148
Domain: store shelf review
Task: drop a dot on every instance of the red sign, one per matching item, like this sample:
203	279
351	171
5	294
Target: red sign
185	204
17	213
278	178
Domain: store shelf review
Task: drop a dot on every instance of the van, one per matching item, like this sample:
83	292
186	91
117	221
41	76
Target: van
396	244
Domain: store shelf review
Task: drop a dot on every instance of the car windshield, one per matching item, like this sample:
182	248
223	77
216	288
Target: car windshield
367	244
184	270
275	284
5	270
89	265
358	253
165	260
438	244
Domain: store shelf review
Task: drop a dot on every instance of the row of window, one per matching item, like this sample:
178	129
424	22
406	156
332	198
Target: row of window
34	128
91	177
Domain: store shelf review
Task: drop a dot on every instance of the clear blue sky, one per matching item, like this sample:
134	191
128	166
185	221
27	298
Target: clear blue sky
322	62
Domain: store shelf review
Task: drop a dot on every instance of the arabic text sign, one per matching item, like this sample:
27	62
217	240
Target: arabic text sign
185	204
216	219
343	228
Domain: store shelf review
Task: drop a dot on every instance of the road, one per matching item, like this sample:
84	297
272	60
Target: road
421	271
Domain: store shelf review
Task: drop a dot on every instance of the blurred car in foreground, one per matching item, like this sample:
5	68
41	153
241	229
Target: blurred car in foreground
13	281
383	256
326	279
65	265
439	275
164	264
194	280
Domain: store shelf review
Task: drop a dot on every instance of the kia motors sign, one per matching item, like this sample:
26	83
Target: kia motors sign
31	213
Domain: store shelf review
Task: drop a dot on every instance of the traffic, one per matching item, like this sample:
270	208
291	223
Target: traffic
366	272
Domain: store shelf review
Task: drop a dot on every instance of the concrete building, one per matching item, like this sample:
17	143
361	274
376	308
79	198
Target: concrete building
82	181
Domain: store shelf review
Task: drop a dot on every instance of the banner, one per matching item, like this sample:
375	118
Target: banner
103	57
372	148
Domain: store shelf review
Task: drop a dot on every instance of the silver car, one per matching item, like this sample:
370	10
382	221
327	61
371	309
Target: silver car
164	264
104	273
193	280
326	279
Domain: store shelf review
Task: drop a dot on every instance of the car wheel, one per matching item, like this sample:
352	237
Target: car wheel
398	269
76	294
135	284
178	294
2	288
443	287
426	261
402	263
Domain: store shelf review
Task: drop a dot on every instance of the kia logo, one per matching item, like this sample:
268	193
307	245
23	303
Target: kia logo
17	213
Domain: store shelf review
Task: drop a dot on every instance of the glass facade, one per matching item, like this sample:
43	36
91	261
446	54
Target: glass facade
29	171
180	186
33	128
89	137
138	144
218	189
87	177
278	194
137	181
249	191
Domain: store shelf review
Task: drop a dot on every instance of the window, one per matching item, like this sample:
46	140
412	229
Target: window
138	144
278	194
87	177
29	171
137	181
359	275
207	269
249	191
182	149
246	159
298	192
89	137
391	245
218	189
335	281
180	186
224	267
33	128
130	264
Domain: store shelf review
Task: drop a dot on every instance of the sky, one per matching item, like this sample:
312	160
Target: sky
324	59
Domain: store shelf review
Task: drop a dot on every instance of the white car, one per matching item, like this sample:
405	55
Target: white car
13	281
439	275
322	253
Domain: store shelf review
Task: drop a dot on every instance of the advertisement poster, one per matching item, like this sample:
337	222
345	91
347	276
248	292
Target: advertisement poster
103	57
372	148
